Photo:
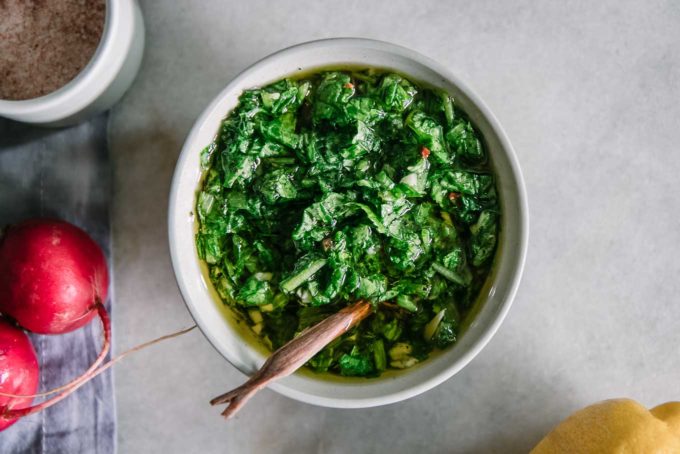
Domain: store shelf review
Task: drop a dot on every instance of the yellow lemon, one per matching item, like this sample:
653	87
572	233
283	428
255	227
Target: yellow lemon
618	426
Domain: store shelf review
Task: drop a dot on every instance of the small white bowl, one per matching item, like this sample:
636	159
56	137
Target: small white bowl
236	344
101	83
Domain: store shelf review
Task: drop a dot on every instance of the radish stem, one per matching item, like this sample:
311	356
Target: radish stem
92	374
74	384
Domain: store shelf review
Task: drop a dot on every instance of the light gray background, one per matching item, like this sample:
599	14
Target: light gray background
589	93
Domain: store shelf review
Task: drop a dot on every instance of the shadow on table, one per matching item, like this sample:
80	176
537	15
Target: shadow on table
509	414
14	133
522	431
143	165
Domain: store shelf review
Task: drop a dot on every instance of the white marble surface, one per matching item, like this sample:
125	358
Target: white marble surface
588	93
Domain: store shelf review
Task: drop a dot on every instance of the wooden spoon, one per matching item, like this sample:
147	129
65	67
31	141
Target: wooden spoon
294	355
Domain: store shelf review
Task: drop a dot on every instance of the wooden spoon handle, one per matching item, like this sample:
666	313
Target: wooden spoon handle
294	354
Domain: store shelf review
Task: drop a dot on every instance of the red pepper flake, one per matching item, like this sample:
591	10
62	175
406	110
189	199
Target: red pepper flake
425	152
349	85
454	196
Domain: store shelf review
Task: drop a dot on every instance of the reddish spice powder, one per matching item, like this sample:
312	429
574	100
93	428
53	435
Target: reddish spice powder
45	43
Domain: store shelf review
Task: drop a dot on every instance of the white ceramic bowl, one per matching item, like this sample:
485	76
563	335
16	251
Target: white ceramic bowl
101	83
350	393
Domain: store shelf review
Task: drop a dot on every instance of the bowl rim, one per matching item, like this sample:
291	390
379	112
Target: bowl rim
523	220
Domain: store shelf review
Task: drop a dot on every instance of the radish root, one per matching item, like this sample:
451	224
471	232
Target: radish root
76	383
106	346
92	372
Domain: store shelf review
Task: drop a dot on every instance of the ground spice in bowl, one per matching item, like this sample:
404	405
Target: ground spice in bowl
44	44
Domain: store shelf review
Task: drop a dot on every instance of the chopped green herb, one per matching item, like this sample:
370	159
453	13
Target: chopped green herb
345	185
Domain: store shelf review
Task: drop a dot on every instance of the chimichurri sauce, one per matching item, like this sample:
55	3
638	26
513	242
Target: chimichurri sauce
345	185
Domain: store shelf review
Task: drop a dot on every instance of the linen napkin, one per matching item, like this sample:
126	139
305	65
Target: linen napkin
63	173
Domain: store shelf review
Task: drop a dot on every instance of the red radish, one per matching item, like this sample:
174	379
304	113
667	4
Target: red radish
53	279
18	369
52	276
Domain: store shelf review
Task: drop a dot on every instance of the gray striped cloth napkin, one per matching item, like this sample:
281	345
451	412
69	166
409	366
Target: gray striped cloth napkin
62	173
